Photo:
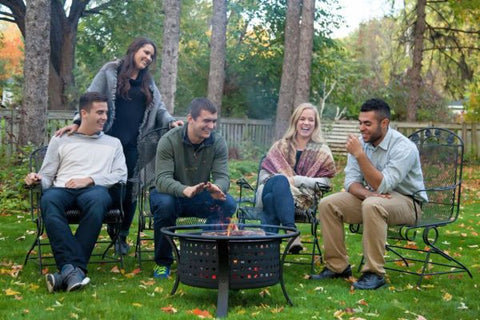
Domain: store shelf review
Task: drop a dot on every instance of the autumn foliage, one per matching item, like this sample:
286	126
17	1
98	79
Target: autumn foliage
11	51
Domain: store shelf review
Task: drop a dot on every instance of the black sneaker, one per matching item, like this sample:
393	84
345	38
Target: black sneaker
329	274
369	281
75	280
121	246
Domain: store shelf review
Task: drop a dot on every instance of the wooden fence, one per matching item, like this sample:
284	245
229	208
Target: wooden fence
241	134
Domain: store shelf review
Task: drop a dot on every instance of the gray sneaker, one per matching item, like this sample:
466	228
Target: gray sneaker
75	280
55	280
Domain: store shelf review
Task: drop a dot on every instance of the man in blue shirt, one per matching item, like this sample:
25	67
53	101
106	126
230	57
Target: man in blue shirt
383	171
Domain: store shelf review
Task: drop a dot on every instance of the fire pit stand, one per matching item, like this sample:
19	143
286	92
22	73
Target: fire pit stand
245	259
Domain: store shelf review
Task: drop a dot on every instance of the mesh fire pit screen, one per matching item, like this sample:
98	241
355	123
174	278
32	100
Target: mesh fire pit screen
212	257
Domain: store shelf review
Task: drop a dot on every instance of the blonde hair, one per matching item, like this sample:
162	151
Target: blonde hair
292	127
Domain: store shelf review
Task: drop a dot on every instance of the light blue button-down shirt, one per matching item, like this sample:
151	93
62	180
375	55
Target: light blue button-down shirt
397	158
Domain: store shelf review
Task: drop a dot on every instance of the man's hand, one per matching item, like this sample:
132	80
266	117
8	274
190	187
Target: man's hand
79	183
32	178
353	146
176	123
70	129
192	191
215	191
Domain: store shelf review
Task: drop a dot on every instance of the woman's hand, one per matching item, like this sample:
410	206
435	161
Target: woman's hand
176	123
70	129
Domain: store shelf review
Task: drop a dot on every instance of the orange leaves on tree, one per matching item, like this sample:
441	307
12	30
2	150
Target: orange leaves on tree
11	50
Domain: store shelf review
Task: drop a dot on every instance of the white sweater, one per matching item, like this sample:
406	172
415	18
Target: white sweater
98	156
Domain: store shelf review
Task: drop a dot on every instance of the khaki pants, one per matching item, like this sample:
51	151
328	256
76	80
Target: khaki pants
375	213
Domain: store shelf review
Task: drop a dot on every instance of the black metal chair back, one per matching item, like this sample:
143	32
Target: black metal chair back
441	156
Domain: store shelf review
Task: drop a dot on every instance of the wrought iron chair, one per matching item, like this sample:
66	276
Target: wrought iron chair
144	246
441	156
248	211
113	220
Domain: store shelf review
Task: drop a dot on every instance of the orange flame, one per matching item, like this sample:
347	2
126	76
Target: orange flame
232	226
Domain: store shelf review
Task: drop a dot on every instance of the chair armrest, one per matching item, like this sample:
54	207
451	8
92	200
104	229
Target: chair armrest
244	184
322	187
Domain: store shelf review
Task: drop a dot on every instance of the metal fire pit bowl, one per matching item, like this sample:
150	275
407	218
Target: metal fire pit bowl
208	258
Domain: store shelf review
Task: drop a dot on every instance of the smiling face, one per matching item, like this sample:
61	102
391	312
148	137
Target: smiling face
305	124
144	56
201	128
373	130
94	119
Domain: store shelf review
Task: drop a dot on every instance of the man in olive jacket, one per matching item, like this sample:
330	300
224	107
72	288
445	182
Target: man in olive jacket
191	178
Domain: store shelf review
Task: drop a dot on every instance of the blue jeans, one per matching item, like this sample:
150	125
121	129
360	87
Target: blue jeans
278	203
167	208
68	248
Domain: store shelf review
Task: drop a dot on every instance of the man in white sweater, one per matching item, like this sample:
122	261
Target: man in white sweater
77	171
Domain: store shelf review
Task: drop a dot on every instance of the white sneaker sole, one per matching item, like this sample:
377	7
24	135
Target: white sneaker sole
80	285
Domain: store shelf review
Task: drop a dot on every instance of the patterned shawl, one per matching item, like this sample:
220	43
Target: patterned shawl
315	161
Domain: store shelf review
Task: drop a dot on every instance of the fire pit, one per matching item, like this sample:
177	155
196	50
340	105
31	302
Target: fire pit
212	257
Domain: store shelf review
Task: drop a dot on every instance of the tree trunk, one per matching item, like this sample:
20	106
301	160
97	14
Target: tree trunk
414	73
216	76
171	38
305	47
63	35
36	70
289	69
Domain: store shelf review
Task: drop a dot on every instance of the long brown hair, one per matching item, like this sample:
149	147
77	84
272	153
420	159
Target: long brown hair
128	65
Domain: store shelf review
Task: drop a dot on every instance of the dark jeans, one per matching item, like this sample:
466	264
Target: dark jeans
129	204
167	208
69	248
278	204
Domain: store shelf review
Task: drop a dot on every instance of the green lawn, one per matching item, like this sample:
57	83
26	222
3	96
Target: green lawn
133	294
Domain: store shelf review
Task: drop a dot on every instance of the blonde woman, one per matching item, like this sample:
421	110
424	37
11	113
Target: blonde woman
291	169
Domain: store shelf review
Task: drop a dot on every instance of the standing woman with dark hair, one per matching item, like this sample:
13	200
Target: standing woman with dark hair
134	108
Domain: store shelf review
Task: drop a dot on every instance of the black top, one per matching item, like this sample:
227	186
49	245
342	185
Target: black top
297	158
129	113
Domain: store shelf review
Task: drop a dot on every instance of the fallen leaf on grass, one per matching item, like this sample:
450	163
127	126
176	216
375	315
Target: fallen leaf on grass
277	310
203	314
21	238
115	269
11	292
169	309
136	304
264	292
447	297
462	306
148	283
362	302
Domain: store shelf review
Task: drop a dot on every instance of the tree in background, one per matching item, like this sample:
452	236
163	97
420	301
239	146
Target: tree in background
171	38
216	75
289	68
444	35
62	43
36	70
